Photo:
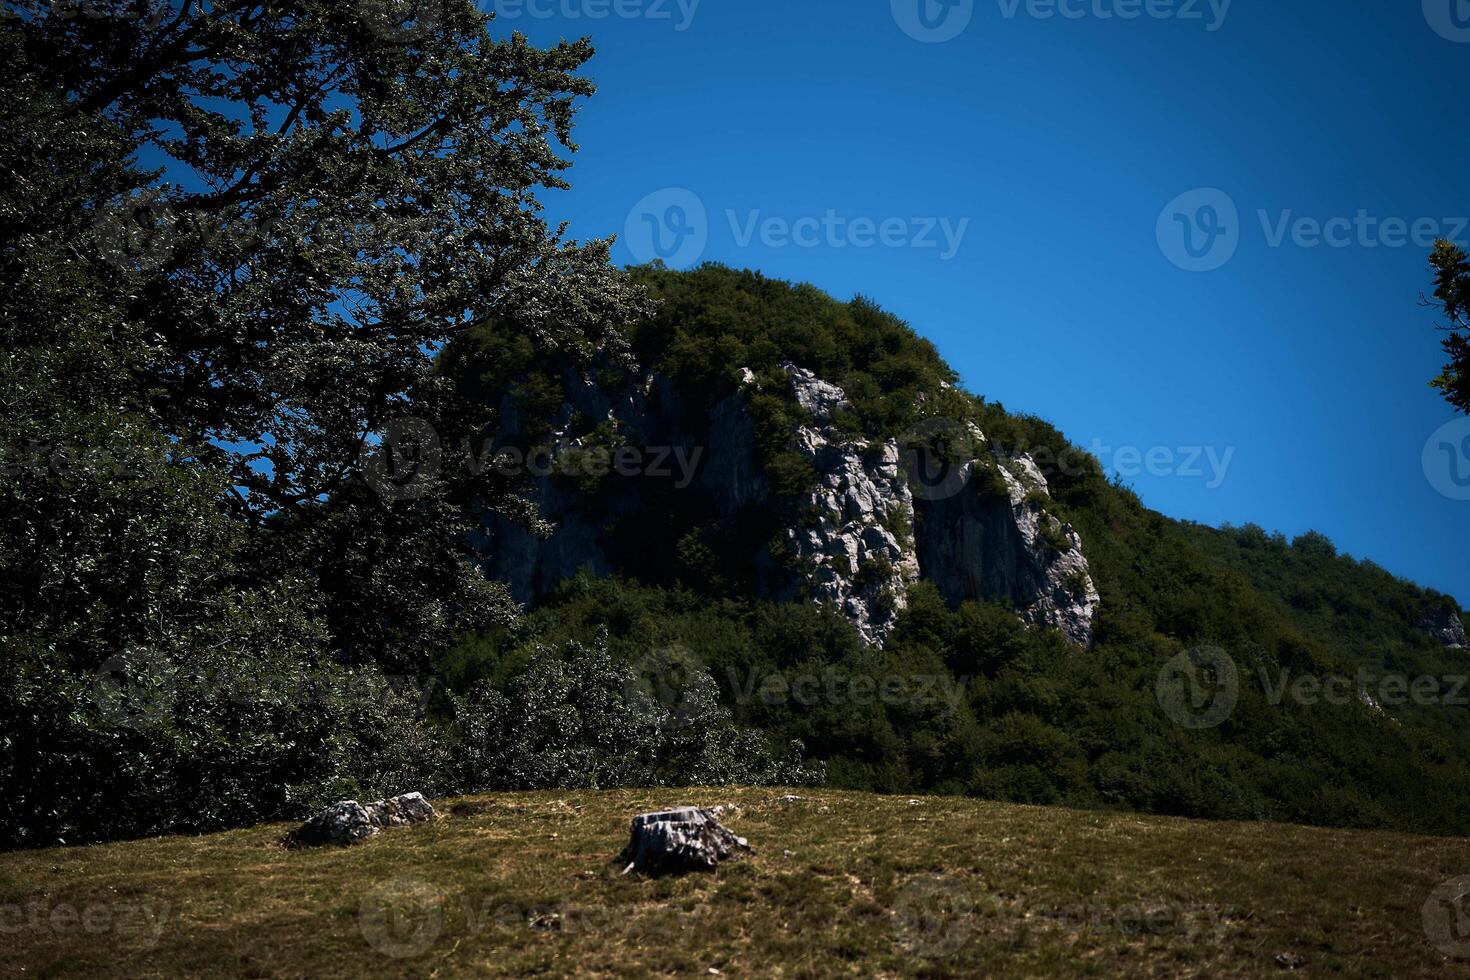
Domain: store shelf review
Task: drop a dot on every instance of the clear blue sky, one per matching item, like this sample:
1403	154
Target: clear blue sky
1062	141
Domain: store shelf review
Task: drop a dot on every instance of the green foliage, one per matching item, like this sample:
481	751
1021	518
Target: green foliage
713	320
987	480
1452	290
580	719
968	700
255	727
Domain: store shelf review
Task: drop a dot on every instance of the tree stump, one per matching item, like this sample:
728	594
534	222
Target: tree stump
680	840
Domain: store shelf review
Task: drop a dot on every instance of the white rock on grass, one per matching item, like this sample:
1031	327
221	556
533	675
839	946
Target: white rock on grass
351	822
679	840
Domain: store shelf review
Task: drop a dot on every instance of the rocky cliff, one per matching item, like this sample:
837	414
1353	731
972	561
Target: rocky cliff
879	515
1442	621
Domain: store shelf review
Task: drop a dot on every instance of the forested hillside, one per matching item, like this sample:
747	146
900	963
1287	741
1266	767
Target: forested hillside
979	704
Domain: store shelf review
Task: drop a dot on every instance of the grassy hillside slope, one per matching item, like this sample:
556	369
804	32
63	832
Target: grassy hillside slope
840	884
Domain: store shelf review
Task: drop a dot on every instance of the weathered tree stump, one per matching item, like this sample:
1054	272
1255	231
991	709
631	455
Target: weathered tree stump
680	840
350	822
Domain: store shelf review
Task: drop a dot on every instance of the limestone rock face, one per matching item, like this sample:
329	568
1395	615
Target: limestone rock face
680	840
850	553
1443	623
860	553
994	539
869	526
350	822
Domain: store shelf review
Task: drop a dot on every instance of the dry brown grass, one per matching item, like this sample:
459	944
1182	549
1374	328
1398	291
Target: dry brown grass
841	884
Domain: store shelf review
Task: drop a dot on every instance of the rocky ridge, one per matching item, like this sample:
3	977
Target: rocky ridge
873	522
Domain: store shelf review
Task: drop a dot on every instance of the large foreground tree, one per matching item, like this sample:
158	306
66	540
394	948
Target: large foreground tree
278	211
233	235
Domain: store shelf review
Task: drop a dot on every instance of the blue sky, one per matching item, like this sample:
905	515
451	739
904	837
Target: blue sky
1055	149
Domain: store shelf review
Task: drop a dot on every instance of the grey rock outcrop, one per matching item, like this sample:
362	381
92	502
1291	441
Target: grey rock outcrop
865	531
851	553
350	822
680	840
1443	622
995	539
860	553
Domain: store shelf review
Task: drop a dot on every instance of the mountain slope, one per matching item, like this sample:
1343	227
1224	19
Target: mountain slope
959	696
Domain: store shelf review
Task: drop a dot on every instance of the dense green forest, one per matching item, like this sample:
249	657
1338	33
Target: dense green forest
984	706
